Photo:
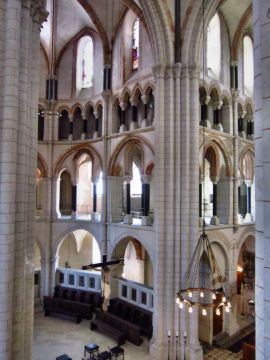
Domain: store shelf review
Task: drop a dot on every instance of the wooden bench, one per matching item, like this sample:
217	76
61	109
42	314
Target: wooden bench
132	332
118	335
61	307
248	352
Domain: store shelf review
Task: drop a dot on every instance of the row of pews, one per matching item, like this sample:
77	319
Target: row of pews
123	321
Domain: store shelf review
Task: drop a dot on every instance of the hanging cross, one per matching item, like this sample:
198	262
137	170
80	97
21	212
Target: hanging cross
103	264
105	278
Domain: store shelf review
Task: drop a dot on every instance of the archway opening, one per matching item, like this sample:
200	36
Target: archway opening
78	248
246	278
37	272
133	281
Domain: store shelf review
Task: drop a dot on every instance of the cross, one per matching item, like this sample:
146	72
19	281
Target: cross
103	264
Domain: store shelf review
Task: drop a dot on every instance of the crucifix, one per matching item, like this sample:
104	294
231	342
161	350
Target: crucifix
105	277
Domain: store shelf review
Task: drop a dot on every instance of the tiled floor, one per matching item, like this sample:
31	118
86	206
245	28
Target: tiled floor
219	354
54	336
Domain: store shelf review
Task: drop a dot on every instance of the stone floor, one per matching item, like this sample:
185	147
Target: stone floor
55	335
220	354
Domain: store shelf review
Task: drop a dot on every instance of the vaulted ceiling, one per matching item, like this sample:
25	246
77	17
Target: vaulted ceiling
104	17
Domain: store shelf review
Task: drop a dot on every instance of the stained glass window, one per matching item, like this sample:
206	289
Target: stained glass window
135	45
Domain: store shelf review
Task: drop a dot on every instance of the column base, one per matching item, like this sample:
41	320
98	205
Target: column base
144	123
201	221
248	218
146	220
239	218
242	134
95	135
158	352
70	137
215	220
218	127
74	215
133	125
123	128
206	123
83	136
95	216
128	219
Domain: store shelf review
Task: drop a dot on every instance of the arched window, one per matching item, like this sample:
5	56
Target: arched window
135	184
214	47
248	66
135	44
84	78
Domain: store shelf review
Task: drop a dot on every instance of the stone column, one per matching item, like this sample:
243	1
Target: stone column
241	131
225	200
84	133
261	13
195	348
145	99
248	217
215	219
250	129
204	113
134	121
201	209
146	179
123	127
236	218
95	214
53	264
70	135
96	115
128	216
10	65
217	117
115	189
74	198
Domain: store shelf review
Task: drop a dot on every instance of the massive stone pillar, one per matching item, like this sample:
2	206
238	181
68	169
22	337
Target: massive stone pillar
261	17
19	67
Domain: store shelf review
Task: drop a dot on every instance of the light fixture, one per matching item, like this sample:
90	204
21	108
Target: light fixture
204	312
202	284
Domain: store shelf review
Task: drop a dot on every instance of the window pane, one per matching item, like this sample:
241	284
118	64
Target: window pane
135	45
214	47
248	66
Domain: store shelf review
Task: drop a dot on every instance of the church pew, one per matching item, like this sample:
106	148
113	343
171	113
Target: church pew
114	323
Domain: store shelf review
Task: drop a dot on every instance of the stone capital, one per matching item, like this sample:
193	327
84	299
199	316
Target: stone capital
75	180
123	105
38	11
127	178
146	179
235	94
177	68
218	105
214	179
95	179
96	114
134	101
145	99
248	183
159	71
194	71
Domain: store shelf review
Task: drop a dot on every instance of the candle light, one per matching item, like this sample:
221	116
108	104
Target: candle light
176	334
185	334
169	333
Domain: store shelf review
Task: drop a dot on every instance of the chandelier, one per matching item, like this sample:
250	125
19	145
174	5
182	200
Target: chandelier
203	285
